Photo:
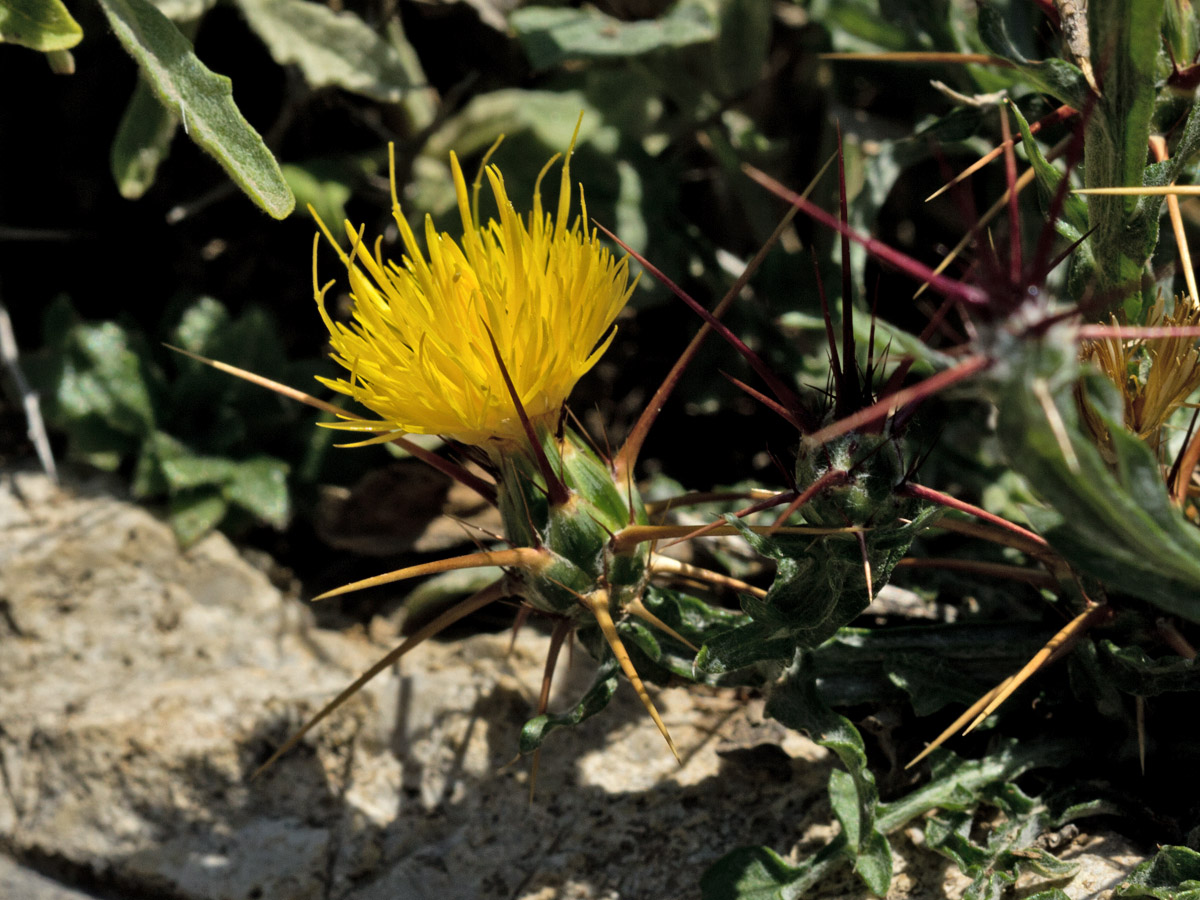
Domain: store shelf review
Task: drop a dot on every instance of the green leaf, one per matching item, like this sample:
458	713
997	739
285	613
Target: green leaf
820	585
549	115
1134	672
931	682
691	618
759	873
43	25
195	513
900	343
322	184
1125	230
103	377
552	35
1171	874
143	141
873	856
200	325
260	486
1073	222
747	643
1008	853
148	478
330	48
955	785
743	41
184	11
202	100
796	703
868	25
536	730
184	473
1010	847
1056	77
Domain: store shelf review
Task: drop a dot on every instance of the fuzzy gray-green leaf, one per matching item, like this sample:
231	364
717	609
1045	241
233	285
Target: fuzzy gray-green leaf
202	100
551	35
1172	874
331	48
143	141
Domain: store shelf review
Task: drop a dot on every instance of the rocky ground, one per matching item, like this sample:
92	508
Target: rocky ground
141	685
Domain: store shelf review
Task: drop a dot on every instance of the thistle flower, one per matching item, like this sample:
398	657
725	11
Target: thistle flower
419	351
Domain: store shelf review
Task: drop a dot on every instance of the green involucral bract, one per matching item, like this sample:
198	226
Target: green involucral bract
578	532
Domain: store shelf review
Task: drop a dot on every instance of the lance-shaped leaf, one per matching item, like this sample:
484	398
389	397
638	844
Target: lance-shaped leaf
201	99
1073	218
142	143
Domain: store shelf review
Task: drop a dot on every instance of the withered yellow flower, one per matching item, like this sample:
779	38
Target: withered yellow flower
419	351
1155	377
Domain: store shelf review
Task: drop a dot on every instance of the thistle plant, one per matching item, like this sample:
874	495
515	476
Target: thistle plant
1058	320
480	341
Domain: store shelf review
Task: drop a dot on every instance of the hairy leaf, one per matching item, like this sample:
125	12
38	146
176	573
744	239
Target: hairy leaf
1171	874
202	100
331	48
796	703
1120	526
143	141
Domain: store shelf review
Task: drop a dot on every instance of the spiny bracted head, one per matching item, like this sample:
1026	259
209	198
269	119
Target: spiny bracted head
861	473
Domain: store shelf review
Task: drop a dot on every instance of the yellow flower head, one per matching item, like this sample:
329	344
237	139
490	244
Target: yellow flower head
419	350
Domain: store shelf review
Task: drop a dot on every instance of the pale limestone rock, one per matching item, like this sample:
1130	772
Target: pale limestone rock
140	686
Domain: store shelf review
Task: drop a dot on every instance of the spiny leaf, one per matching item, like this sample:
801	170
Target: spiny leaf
536	730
